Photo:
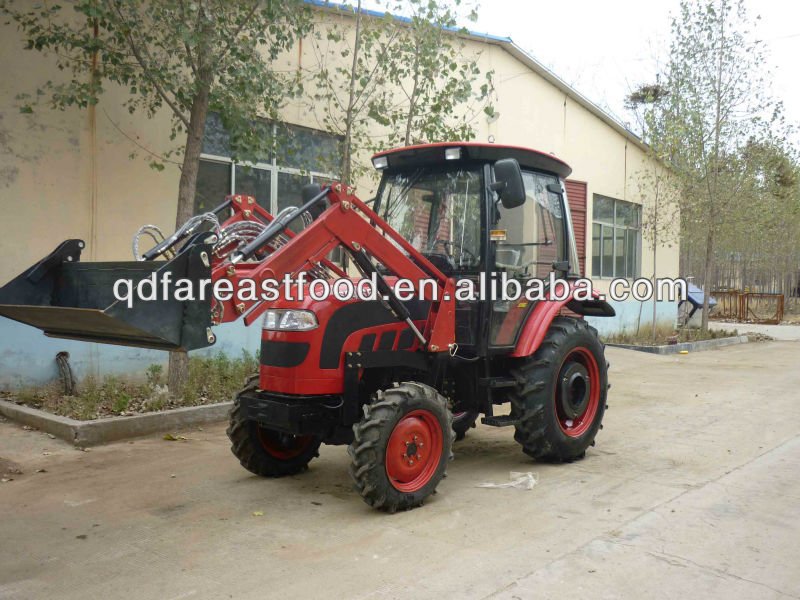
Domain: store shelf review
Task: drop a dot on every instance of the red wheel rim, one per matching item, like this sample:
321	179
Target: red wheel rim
577	393
284	446
414	450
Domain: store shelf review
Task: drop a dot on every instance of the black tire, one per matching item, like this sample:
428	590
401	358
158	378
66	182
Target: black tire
463	422
398	412
267	452
553	387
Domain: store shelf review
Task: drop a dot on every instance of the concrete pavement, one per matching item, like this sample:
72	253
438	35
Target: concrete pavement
692	491
783	332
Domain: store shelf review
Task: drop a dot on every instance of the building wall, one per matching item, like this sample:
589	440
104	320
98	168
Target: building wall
70	174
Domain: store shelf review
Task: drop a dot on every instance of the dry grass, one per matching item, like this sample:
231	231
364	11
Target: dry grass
213	379
667	335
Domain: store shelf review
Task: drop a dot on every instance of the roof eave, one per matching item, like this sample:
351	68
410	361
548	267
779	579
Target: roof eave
517	52
572	93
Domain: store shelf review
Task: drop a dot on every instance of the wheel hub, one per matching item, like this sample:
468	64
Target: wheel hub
577	393
411	453
411	450
575	390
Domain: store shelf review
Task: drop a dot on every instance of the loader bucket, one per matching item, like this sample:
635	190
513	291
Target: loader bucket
69	299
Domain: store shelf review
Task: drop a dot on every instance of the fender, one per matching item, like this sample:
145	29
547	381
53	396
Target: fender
538	322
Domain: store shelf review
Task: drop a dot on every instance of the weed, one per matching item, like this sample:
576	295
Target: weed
211	379
216	377
155	375
666	335
121	403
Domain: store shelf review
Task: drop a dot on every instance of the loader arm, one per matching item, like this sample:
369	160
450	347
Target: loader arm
368	239
69	299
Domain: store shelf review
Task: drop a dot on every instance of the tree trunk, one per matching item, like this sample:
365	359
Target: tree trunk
191	157
655	271
708	271
347	153
708	277
655	256
412	98
178	370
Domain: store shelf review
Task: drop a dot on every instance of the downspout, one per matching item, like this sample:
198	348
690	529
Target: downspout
625	172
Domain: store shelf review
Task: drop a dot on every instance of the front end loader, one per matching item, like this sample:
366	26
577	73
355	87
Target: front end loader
395	376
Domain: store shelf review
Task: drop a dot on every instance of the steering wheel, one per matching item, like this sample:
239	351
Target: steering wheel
448	247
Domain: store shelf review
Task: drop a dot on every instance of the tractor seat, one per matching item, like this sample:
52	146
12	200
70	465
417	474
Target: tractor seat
442	262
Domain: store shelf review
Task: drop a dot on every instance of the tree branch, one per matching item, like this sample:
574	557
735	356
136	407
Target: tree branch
234	35
135	50
189	56
150	152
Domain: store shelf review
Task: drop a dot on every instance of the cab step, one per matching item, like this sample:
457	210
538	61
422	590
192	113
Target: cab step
497	382
500	421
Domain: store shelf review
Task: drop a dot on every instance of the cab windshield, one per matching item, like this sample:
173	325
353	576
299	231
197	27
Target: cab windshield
438	211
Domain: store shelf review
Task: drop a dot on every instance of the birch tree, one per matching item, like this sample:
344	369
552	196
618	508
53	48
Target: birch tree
351	80
717	102
183	57
439	88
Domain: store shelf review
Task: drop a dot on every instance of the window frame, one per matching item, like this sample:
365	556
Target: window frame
272	167
614	229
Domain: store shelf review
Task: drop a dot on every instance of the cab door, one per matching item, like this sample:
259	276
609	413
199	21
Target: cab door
528	243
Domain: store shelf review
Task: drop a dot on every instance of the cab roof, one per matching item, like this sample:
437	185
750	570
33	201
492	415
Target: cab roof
426	154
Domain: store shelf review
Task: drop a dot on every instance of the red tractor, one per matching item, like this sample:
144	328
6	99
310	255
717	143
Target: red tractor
397	378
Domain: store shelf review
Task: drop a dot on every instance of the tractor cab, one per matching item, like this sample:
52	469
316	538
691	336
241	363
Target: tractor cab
481	212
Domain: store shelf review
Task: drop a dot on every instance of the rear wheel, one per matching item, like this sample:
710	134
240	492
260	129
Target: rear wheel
401	447
560	397
265	451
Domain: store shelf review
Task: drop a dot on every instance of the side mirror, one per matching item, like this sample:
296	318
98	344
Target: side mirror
508	182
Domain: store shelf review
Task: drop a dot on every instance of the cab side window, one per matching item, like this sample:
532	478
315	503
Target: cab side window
533	232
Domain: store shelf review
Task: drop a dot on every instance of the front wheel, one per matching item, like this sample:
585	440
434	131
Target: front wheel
401	447
560	396
267	452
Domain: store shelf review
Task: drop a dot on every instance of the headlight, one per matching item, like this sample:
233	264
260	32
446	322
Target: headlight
452	154
289	320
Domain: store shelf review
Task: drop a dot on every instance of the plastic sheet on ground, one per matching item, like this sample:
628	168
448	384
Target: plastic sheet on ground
516	479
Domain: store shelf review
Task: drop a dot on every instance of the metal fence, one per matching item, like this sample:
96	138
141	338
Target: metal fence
748	307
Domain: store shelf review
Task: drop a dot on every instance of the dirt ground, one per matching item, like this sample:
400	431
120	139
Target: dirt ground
691	492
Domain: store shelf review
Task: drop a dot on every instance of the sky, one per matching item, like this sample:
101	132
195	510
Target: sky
605	49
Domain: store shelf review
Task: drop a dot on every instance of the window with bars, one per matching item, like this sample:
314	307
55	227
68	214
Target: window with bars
301	156
616	238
